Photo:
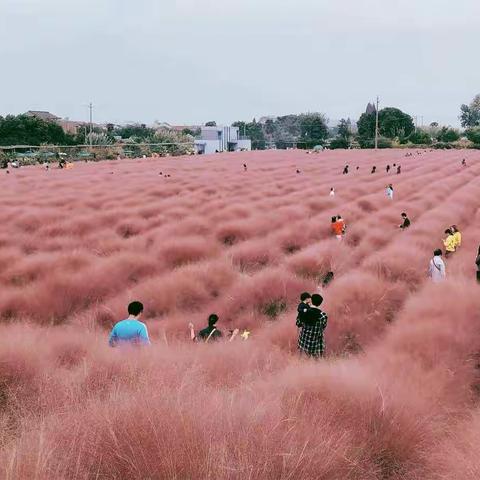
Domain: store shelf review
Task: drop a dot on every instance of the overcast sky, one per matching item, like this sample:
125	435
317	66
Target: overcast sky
189	61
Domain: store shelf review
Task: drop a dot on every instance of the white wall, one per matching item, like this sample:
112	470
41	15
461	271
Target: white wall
209	146
244	144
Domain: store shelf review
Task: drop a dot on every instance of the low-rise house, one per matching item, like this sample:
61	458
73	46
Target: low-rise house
221	139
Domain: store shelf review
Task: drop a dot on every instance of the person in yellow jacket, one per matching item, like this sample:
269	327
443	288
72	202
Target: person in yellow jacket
457	235
449	242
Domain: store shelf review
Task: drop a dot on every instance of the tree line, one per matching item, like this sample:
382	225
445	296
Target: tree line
395	128
303	131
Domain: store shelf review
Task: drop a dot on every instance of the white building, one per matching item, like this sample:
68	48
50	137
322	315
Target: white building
221	139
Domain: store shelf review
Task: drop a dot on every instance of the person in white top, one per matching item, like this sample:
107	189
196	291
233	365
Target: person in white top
436	269
389	191
332	192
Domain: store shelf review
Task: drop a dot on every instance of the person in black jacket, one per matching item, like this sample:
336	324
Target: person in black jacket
405	221
310	340
209	333
303	306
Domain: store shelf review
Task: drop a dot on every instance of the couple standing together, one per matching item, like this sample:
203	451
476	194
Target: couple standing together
312	321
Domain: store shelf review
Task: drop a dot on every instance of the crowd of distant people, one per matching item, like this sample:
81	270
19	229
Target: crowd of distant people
311	320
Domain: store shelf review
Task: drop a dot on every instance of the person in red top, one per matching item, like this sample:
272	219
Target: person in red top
338	227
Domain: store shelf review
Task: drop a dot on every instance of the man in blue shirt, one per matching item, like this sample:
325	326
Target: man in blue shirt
131	330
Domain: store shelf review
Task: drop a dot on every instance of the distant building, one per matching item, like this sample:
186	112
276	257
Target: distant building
46	116
175	128
69	126
221	139
370	109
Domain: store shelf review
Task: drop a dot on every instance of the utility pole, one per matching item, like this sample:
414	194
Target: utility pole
376	125
90	107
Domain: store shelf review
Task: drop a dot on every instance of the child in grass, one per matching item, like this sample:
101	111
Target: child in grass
303	306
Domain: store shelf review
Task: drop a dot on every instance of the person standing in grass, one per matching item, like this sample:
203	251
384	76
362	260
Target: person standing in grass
311	340
449	243
209	333
389	191
131	330
457	236
436	269
338	227
341	221
406	221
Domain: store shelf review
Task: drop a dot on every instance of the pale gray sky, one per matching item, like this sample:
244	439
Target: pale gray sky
189	61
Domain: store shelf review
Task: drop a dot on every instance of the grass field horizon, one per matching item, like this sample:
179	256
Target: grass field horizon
397	396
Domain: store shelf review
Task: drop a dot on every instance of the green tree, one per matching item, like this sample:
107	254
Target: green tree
366	126
269	127
470	114
26	130
137	132
473	134
339	142
211	123
447	135
420	137
252	130
343	129
313	130
392	123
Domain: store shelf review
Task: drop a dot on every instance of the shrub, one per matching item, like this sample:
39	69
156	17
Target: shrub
419	137
473	134
442	146
338	143
447	135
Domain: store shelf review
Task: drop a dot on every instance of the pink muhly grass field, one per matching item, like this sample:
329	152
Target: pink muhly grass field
396	396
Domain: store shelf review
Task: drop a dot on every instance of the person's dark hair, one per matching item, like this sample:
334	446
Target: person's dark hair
404	214
448	231
304	296
212	319
339	217
317	299
479	250
437	252
334	219
454	228
135	308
